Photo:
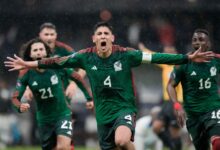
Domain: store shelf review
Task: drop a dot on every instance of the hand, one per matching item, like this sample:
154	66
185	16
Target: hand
90	105
15	63
70	90
199	56
24	107
181	117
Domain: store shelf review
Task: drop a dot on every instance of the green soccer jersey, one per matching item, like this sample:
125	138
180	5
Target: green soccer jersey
199	83
61	49
48	92
110	78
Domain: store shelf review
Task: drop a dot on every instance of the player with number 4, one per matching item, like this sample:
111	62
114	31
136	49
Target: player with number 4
201	100
109	69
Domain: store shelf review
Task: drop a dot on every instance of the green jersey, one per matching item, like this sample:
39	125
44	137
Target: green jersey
110	78
48	91
199	83
61	49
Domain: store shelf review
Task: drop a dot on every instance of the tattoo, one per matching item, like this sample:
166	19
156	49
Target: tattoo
57	60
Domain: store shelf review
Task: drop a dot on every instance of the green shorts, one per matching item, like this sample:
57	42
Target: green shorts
202	127
106	132
49	132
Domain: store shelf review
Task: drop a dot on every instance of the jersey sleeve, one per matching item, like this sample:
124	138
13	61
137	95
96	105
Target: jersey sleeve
73	75
218	65
177	73
71	61
134	57
172	59
19	91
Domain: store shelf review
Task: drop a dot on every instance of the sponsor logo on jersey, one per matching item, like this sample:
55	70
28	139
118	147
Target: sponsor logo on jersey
193	73
54	79
34	83
94	68
213	71
118	66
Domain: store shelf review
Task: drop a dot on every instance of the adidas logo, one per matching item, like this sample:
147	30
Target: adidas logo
94	68
34	83
129	122
193	73
69	132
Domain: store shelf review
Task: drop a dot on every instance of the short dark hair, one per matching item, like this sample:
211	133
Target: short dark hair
200	30
104	24
47	25
26	48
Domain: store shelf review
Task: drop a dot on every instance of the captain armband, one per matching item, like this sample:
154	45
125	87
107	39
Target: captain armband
146	57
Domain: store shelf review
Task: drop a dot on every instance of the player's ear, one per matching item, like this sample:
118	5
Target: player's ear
113	38
93	39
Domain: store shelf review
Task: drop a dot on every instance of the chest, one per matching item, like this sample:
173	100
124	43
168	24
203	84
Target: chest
108	72
45	80
202	75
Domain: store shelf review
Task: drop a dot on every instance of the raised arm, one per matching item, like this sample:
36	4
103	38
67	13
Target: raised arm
17	63
164	58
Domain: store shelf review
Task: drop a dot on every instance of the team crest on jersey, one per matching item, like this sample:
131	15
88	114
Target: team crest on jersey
118	66
54	79
213	71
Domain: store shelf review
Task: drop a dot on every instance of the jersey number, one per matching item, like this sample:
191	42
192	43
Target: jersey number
46	93
216	114
107	81
66	125
204	84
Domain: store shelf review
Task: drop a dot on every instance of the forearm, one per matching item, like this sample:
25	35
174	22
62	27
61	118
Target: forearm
82	85
173	59
54	63
16	101
31	64
172	93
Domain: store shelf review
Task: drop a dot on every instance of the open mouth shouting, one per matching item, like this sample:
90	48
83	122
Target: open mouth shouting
103	45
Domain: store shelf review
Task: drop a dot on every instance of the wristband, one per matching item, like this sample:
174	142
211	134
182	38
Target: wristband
177	106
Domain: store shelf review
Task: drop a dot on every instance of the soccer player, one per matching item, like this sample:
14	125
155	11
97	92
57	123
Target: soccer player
53	114
48	34
109	69
201	100
165	125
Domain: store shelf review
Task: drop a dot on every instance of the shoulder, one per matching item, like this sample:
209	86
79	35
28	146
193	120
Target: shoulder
118	48
22	73
87	50
63	45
